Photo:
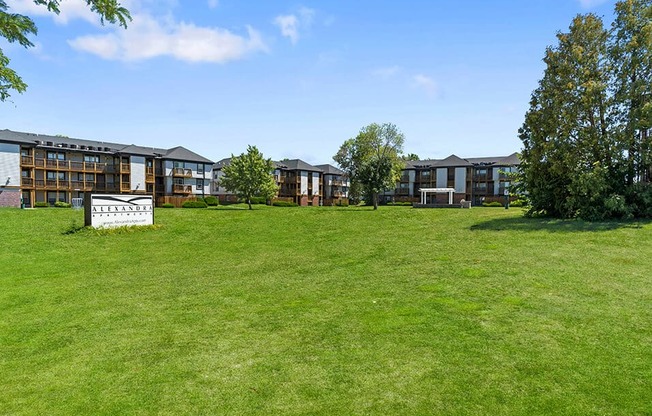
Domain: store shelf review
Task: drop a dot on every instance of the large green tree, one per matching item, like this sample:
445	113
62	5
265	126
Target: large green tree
372	160
249	175
17	28
568	149
631	62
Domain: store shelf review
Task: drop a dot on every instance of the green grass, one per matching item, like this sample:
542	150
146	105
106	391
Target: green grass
336	311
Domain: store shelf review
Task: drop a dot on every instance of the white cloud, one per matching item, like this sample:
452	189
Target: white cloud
289	27
291	24
149	38
213	4
69	10
425	83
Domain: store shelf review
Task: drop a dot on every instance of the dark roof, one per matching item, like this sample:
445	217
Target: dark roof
176	153
222	163
296	164
330	170
181	153
497	160
452	161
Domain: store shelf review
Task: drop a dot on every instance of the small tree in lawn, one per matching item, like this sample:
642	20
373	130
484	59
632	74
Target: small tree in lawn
372	160
249	175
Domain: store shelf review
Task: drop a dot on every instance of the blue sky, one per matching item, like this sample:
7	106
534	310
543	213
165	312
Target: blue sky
295	78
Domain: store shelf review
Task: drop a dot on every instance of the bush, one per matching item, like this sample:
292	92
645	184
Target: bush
211	201
259	200
342	203
400	204
284	204
41	205
61	204
518	203
194	204
492	204
167	205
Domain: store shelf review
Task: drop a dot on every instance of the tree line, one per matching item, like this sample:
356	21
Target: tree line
587	148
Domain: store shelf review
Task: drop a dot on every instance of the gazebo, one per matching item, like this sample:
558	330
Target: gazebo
426	191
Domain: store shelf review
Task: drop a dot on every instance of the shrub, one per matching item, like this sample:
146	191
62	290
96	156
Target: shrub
258	200
167	205
492	204
400	204
194	204
41	205
284	204
342	203
211	201
61	204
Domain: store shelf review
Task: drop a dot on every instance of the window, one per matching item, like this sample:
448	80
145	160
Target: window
178	164
200	184
55	175
56	156
25	173
91	158
200	168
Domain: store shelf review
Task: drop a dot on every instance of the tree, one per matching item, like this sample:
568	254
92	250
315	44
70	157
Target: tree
410	157
372	160
16	28
631	60
568	148
249	175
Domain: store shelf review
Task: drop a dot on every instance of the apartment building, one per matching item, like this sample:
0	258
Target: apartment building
42	168
298	182
477	180
335	185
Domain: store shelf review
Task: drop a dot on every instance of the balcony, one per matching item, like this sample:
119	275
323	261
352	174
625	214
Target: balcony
481	178
27	182
337	183
125	169
182	173
339	194
125	187
181	189
27	161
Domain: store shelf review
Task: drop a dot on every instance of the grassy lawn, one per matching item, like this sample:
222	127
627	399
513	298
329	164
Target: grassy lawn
336	311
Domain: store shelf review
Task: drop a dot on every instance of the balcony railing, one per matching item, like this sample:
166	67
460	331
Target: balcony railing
337	183
28	182
125	169
181	172
125	186
69	165
181	189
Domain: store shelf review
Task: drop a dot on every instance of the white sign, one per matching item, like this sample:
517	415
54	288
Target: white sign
108	211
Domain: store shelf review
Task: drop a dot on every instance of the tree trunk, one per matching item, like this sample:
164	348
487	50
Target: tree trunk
249	203
375	197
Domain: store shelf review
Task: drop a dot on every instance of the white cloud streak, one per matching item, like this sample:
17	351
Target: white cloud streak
425	83
149	38
291	24
69	10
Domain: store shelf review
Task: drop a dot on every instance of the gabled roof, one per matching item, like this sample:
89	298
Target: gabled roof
296	164
176	153
222	163
132	149
181	153
496	160
330	170
450	161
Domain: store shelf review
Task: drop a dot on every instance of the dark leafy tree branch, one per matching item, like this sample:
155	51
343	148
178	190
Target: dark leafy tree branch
17	28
